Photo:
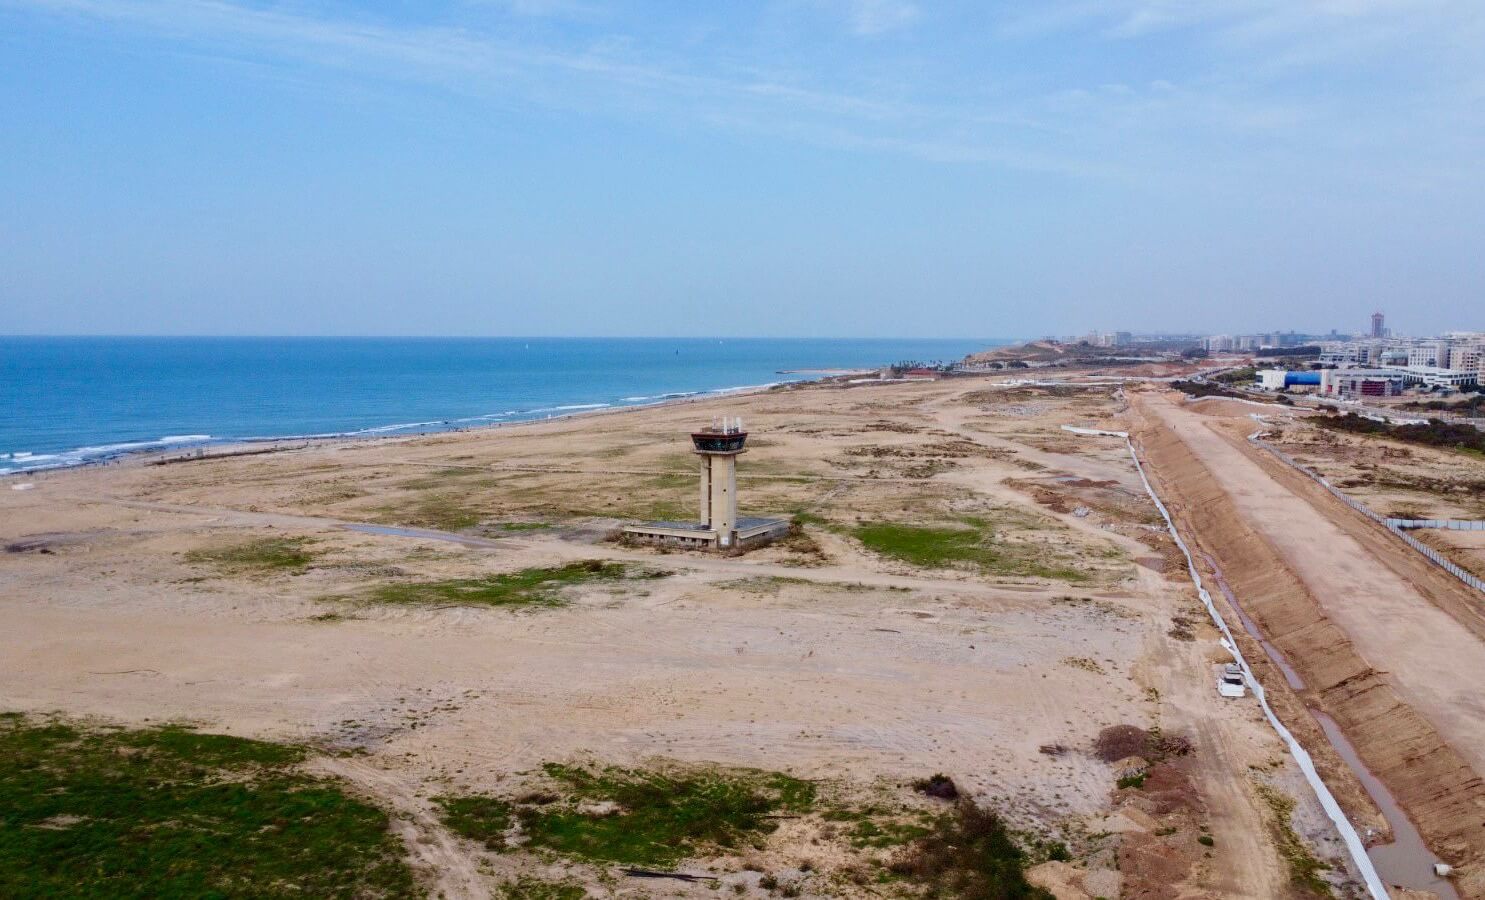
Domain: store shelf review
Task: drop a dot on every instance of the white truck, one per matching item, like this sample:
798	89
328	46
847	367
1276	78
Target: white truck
1230	683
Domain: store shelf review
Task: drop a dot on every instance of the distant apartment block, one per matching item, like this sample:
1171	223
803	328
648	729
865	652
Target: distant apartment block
1377	365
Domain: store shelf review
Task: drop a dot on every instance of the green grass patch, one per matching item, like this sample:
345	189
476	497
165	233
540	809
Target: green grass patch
877	827
534	587
169	812
528	888
523	526
638	817
478	817
956	547
872	833
275	554
1304	869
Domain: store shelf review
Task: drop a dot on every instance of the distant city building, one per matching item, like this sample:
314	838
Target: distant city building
1349	384
1431	354
1350	353
1107	338
1432	376
1377	365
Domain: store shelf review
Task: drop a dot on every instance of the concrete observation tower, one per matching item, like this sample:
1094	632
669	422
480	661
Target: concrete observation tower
718	447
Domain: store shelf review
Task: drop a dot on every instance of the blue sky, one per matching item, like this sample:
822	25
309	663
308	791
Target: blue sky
783	167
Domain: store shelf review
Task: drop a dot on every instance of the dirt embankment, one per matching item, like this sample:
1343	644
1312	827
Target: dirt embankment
1433	782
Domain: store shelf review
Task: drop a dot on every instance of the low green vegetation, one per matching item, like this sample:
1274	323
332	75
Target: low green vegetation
1243	375
637	817
1470	406
1434	433
1204	389
1304	869
260	555
478	817
660	818
968	852
971	545
656	818
170	812
527	888
877	826
534	587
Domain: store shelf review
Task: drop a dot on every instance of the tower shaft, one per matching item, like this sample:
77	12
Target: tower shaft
719	495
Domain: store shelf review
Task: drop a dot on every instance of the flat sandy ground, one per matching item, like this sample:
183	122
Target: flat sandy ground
817	656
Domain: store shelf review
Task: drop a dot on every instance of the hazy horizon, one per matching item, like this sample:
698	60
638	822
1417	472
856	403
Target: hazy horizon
514	337
805	168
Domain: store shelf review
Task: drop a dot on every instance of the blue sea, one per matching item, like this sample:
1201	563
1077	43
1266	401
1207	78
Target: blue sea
65	401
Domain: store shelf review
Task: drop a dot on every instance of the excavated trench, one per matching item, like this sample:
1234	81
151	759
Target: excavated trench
1404	862
1427	793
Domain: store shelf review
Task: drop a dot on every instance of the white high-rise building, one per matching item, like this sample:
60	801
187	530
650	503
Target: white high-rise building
1434	354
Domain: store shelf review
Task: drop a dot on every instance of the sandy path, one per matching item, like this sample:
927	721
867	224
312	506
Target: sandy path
452	869
1424	651
1227	740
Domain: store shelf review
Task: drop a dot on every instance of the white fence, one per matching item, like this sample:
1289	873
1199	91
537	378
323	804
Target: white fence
1435	556
1445	524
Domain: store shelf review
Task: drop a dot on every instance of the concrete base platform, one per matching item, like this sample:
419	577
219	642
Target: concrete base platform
750	532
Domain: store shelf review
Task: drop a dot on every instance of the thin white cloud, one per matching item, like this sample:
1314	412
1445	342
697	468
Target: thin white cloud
1110	125
478	63
1249	19
873	17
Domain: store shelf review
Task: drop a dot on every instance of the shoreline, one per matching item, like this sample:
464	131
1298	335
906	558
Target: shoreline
237	447
136	396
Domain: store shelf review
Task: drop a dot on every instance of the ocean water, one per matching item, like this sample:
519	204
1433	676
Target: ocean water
67	401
